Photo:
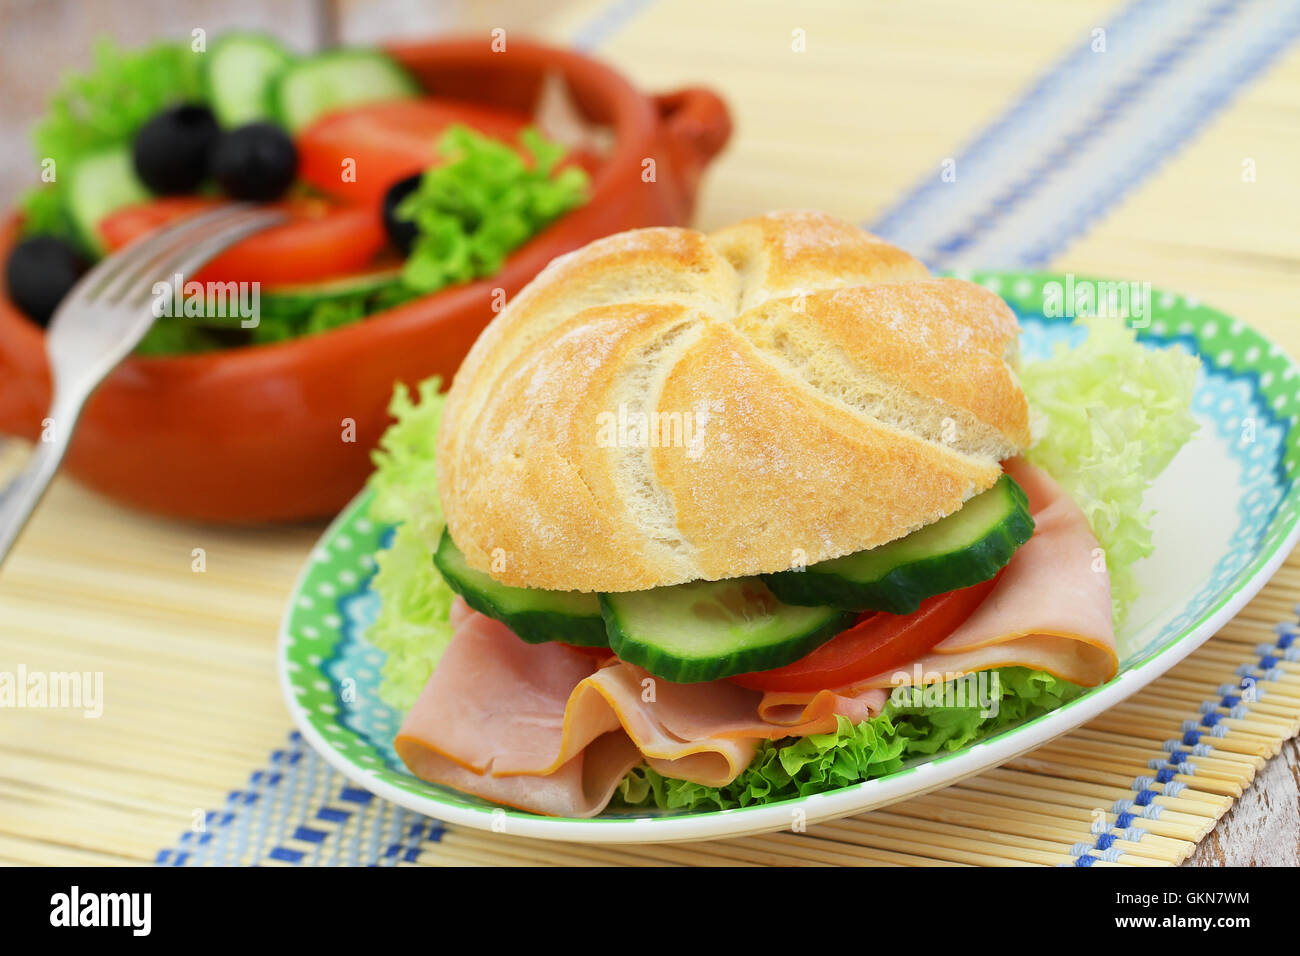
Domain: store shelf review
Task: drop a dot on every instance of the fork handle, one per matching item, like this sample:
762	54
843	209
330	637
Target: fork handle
23	494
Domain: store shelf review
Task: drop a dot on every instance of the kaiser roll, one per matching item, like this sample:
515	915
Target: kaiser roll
664	406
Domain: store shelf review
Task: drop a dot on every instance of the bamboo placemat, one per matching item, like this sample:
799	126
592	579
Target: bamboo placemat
191	702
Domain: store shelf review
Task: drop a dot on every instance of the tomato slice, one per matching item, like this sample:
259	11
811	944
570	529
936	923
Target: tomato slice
321	240
877	643
130	222
386	142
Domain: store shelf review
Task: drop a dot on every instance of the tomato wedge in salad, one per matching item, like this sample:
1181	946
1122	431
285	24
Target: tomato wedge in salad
384	143
321	240
131	222
387	142
877	643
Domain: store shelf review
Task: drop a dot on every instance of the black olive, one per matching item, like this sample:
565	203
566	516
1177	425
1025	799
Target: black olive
39	274
171	150
256	161
402	232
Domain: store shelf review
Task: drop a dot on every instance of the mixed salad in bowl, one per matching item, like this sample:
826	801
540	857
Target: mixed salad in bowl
424	184
392	193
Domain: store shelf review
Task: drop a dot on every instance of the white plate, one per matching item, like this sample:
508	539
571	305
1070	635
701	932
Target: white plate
1226	519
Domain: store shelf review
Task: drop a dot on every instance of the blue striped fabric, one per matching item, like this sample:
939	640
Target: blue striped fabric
1119	825
299	810
1088	131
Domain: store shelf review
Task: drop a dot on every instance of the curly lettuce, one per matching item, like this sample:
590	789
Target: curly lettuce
405	482
107	104
796	767
1113	413
101	108
484	201
413	626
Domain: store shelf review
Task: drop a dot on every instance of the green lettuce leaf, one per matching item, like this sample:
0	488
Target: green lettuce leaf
329	313
100	108
105	105
796	767
405	481
413	626
1113	413
170	336
484	201
46	213
1022	693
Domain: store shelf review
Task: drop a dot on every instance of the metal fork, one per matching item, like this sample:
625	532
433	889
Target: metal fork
100	321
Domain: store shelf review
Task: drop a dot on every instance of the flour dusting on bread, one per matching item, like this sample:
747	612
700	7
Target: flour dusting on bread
664	406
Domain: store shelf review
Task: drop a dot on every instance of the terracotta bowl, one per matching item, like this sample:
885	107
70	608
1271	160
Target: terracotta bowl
257	433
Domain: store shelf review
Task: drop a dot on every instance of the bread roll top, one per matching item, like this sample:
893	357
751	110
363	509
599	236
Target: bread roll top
664	406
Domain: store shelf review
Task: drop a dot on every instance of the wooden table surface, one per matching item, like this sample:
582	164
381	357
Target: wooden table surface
883	93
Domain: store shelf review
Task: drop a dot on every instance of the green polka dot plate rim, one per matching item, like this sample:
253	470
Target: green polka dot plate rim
1227	514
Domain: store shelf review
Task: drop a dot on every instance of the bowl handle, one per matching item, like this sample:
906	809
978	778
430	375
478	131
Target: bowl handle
696	124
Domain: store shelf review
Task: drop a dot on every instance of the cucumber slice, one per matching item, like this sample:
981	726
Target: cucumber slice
705	630
99	184
299	299
967	547
535	616
241	72
330	81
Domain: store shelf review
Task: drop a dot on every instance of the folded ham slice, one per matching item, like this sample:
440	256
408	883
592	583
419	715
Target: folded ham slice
545	728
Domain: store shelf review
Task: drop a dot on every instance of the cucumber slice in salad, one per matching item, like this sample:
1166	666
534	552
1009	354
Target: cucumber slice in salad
99	184
706	630
967	547
301	298
535	616
320	84
241	72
